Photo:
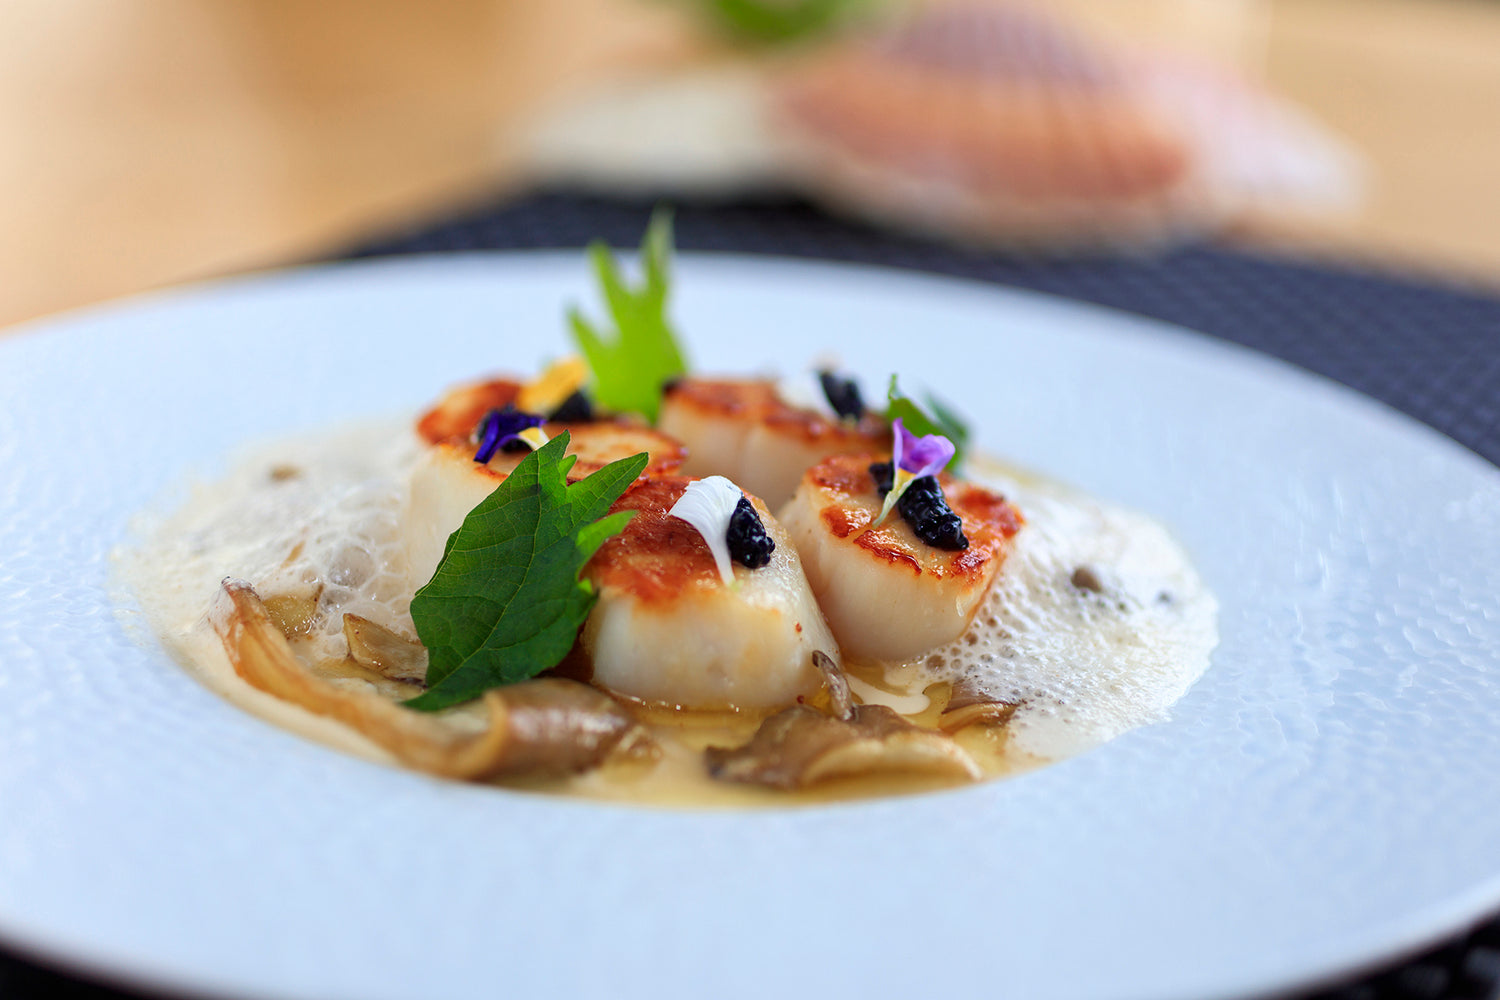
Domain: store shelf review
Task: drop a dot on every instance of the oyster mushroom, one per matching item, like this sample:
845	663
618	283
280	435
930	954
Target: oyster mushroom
840	700
295	611
969	706
537	728
387	653
800	747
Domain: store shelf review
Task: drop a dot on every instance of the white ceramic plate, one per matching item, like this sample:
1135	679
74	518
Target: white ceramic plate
1328	794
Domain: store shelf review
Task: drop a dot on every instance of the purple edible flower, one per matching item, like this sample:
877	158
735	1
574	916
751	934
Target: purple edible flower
500	427
920	456
912	458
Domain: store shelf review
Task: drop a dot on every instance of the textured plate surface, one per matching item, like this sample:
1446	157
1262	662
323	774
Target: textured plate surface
1323	797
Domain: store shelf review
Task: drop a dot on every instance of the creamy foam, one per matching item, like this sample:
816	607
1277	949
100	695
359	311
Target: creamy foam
318	518
1084	664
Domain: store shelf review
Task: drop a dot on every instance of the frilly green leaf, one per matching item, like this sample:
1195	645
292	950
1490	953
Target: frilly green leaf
506	601
631	367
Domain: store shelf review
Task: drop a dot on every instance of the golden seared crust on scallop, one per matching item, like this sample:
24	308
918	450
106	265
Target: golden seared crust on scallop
447	483
667	629
658	556
596	443
459	412
743	430
887	594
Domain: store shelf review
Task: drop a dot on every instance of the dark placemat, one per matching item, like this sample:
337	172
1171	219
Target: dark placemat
1429	350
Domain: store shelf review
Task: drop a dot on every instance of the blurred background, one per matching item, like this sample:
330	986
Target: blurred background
145	142
1351	146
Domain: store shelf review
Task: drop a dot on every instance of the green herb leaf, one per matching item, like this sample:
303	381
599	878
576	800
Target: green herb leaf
937	418
506	601
773	21
630	367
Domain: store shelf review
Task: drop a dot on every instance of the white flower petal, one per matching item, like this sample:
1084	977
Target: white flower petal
707	505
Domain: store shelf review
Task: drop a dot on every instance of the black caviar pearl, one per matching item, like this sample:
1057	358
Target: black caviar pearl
843	395
749	545
926	510
576	409
924	507
923	490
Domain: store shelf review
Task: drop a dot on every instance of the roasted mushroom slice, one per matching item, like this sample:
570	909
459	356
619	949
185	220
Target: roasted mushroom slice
799	747
560	726
840	699
387	653
295	610
539	728
970	706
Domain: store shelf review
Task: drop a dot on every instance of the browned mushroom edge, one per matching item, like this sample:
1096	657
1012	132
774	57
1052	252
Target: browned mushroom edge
968	705
802	746
538	728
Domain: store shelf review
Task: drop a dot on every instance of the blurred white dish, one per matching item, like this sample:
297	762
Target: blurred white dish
1323	797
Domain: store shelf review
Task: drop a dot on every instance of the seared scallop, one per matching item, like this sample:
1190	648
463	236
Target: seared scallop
668	629
744	430
889	595
556	394
447	483
460	410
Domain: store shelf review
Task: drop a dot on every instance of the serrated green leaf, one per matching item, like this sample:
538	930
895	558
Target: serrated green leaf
940	420
779	21
631	366
506	601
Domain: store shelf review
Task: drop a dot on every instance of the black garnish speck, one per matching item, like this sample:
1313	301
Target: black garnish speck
843	395
927	511
1086	578
749	545
924	507
576	409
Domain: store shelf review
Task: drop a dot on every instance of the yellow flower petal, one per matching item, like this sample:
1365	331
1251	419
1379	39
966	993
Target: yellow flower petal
899	483
548	390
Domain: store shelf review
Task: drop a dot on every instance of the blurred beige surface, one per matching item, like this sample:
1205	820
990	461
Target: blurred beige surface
144	142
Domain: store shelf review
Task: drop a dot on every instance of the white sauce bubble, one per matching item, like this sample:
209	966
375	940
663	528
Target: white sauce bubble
311	518
1084	664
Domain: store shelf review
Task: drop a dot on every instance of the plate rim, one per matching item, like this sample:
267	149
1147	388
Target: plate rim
1484	898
